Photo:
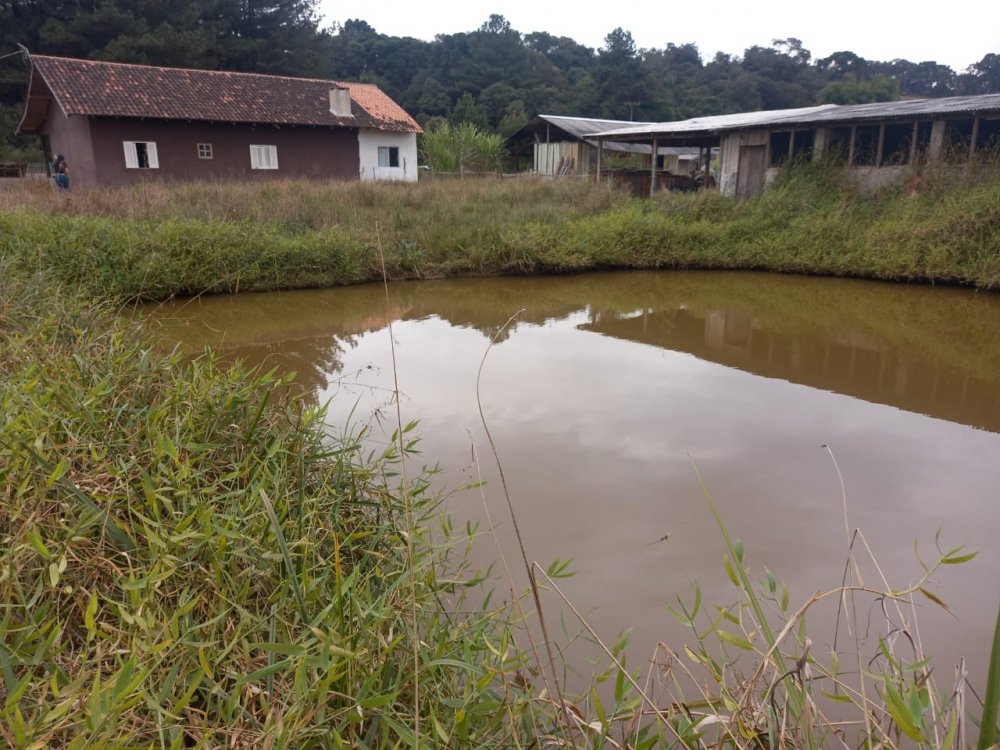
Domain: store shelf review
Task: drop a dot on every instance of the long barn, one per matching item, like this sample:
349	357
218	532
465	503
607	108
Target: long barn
879	144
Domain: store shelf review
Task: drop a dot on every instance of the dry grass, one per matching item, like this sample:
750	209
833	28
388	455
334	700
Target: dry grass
300	205
152	241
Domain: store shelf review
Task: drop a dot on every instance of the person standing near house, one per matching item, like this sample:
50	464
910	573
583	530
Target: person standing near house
60	172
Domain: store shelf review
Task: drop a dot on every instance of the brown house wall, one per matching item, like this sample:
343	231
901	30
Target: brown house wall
303	152
70	136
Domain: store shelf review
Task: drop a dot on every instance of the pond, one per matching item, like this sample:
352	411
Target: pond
609	393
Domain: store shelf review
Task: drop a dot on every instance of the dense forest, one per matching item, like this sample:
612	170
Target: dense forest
494	76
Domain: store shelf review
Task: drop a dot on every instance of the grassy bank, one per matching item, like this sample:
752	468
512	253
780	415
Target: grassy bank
154	241
188	560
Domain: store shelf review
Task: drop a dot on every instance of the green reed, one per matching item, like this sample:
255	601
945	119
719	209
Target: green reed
189	559
154	241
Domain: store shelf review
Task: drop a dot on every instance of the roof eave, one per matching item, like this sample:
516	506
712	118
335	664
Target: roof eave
33	117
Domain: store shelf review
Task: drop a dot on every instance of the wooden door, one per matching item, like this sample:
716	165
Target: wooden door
750	172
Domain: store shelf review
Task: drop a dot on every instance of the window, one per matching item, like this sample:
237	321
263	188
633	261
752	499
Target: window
957	136
865	145
263	157
205	151
988	139
781	144
838	144
388	156
141	155
803	144
897	144
794	144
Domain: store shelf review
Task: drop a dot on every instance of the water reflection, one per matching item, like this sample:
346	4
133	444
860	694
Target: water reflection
845	361
606	386
931	351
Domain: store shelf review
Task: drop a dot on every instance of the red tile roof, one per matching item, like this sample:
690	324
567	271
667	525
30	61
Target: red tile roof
103	89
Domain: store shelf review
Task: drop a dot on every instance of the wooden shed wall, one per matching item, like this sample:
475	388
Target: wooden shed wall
562	159
729	159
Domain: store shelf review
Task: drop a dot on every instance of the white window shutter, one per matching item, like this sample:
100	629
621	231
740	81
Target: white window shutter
131	159
154	162
263	157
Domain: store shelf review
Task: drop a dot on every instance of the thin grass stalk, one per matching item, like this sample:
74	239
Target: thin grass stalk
856	577
738	566
404	491
286	556
514	598
991	699
533	584
607	651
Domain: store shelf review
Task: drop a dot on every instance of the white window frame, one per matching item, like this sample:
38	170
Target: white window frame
387	152
263	157
205	151
132	154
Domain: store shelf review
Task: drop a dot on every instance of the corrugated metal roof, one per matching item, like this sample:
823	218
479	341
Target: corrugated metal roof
581	127
825	113
912	108
713	124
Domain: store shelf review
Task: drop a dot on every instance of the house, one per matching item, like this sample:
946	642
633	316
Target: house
880	144
560	147
117	124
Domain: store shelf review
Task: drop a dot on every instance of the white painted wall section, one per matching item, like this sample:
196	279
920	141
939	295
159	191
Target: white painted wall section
369	142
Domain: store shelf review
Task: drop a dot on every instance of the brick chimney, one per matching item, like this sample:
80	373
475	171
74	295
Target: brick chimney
340	102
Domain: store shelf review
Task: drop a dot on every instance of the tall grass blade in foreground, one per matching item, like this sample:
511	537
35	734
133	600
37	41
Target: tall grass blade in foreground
991	699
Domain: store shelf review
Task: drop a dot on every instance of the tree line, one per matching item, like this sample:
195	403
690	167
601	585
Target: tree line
494	77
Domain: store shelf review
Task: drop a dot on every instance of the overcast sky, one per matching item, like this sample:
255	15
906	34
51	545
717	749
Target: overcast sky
955	34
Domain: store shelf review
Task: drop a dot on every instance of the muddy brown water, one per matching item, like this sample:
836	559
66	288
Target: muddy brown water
608	391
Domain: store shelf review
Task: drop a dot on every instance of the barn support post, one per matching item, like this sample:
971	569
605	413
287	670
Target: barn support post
973	139
936	147
913	143
653	186
600	159
880	149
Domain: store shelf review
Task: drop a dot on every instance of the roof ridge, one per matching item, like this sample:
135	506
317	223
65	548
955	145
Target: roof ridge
601	119
150	66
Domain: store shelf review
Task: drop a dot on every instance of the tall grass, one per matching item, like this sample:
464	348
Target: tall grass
152	241
189	560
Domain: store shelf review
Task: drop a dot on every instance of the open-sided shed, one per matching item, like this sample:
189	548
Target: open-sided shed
880	143
560	146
